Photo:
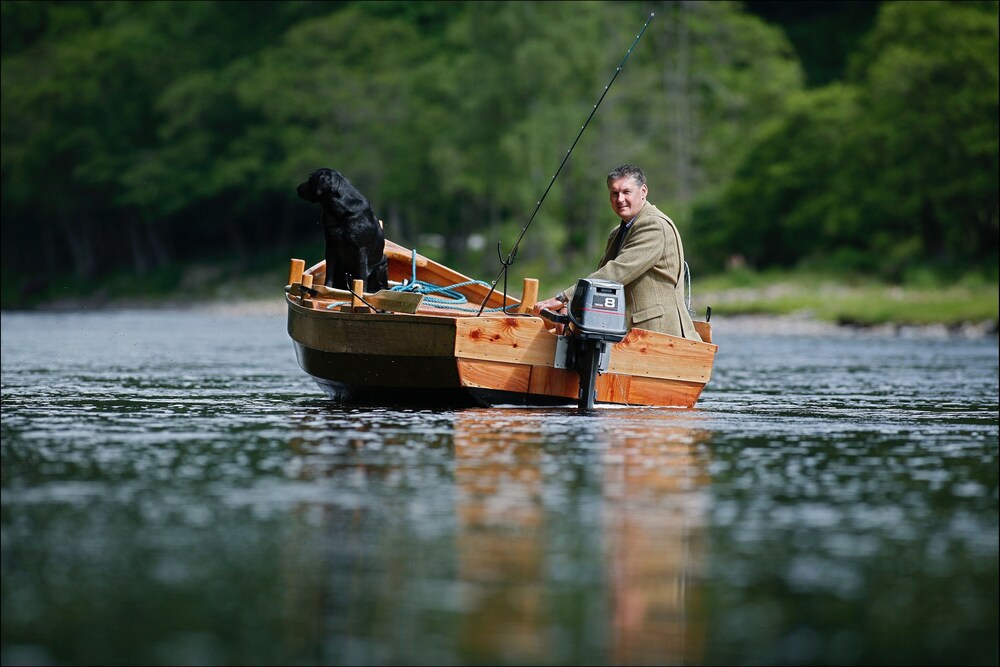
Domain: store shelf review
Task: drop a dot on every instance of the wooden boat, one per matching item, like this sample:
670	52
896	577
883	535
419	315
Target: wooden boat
400	348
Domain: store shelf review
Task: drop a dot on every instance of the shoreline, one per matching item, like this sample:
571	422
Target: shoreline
796	324
805	325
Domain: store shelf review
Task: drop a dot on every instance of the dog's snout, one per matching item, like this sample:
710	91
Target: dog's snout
304	191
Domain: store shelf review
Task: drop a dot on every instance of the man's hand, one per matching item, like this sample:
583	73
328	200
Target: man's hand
553	304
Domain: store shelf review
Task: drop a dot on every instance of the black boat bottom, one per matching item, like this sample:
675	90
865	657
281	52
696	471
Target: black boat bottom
441	397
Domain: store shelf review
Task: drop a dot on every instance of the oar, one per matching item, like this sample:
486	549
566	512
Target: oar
397	302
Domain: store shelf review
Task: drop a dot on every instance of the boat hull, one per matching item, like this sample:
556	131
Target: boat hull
441	359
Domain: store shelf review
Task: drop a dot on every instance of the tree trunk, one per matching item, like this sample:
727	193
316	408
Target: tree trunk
77	233
677	85
141	262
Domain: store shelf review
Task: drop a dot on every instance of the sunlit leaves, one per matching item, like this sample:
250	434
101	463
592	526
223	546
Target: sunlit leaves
898	166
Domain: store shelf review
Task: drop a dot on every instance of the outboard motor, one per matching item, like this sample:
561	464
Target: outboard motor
596	320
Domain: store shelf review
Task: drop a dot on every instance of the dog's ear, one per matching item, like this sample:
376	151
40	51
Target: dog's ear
327	182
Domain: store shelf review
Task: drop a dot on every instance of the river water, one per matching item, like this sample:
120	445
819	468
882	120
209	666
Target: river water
177	491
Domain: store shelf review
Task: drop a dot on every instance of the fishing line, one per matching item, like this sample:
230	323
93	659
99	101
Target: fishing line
506	264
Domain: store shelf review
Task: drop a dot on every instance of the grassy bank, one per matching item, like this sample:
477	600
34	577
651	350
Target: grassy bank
854	300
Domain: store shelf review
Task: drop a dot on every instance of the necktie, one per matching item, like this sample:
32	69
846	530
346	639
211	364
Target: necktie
620	239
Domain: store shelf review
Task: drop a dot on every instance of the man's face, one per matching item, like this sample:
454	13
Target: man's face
627	198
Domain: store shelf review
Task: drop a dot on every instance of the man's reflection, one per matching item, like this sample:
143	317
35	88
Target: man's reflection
652	506
654	529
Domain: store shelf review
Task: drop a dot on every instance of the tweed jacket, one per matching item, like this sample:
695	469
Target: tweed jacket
651	267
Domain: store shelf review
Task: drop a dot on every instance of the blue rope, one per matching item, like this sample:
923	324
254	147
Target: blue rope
454	298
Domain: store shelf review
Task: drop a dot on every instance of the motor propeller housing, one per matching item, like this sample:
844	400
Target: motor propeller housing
595	321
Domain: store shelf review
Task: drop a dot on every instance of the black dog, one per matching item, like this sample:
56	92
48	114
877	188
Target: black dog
355	243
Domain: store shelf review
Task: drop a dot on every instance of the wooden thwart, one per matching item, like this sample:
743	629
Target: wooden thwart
397	302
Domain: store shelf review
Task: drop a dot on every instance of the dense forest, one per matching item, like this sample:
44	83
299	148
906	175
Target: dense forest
847	136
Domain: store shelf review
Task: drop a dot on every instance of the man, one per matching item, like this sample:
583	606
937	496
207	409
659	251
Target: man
645	255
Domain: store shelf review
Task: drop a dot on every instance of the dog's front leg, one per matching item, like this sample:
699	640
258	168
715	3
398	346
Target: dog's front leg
334	272
331	267
362	268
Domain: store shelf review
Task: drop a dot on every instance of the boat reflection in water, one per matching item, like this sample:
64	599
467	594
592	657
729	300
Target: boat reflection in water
498	536
519	524
656	510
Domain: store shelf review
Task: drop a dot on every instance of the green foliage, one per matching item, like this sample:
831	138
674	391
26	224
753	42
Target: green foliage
783	204
895	168
137	135
930	71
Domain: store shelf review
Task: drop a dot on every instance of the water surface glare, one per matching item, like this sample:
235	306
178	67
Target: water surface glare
177	491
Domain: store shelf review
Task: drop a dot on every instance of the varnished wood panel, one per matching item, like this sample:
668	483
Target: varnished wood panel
704	330
520	340
525	340
646	353
673	393
645	369
549	381
613	388
494	375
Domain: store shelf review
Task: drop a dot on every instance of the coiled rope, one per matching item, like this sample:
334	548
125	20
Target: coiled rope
454	299
450	297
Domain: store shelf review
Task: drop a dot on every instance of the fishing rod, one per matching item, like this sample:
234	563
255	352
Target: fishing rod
506	264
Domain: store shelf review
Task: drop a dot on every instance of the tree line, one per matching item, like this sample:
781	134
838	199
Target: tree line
140	134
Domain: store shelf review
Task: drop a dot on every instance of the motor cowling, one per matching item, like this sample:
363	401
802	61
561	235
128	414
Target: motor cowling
598	310
595	321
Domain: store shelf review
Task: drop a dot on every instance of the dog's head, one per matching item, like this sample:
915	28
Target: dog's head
322	185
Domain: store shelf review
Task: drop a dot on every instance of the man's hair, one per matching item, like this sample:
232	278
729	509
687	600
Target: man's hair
628	171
